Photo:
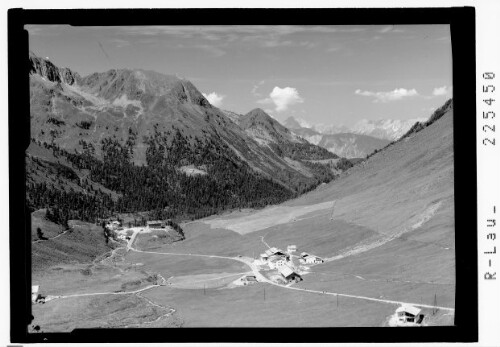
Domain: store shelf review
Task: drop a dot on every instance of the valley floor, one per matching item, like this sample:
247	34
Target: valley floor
192	283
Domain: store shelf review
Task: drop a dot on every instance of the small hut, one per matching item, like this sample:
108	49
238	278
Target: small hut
289	275
409	314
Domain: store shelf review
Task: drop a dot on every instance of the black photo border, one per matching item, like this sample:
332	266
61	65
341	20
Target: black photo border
462	26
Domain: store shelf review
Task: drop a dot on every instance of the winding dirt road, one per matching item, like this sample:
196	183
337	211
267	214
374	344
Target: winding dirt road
255	270
262	278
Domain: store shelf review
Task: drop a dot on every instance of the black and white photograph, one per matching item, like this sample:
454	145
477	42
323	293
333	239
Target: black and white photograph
222	175
253	176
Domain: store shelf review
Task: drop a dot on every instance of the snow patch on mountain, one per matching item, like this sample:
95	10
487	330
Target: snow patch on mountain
123	101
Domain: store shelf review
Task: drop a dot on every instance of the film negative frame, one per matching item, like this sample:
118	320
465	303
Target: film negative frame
462	26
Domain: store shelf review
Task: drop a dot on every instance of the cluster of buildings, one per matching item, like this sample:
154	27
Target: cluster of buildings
274	257
114	225
280	260
154	224
117	228
122	234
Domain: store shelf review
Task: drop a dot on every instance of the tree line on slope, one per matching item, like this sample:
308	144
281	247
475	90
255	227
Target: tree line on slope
159	186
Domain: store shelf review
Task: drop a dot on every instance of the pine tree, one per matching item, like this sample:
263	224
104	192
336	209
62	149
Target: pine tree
39	234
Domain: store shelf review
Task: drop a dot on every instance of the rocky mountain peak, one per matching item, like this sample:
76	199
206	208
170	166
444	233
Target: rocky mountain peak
46	69
292	123
264	128
258	113
144	85
257	117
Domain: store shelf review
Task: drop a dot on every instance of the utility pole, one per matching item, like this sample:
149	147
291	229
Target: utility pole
434	310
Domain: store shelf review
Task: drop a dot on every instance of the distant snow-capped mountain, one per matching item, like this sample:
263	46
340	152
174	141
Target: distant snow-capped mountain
352	142
298	123
346	145
331	129
386	129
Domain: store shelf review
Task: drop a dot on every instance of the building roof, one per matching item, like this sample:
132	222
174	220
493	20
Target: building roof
275	257
310	256
285	271
274	250
410	309
155	222
34	289
263	255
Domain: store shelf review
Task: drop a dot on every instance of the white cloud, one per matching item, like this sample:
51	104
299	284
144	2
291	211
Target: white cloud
396	94
255	87
282	98
214	98
444	90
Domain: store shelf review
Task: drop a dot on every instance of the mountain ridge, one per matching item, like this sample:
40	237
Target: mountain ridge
123	126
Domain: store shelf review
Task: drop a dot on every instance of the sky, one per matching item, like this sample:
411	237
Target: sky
321	74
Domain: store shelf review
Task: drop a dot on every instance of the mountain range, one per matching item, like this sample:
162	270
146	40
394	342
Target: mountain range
385	129
359	141
345	144
128	140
